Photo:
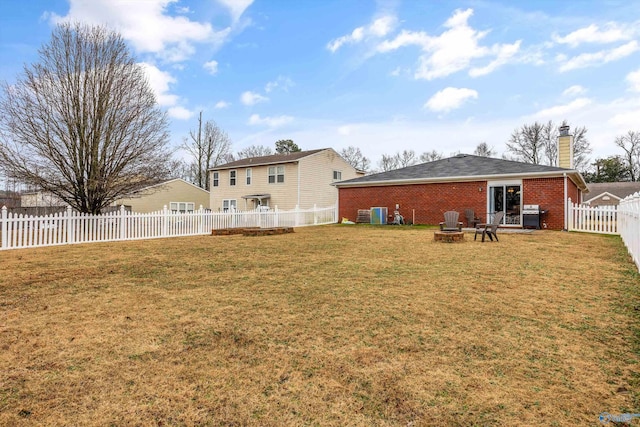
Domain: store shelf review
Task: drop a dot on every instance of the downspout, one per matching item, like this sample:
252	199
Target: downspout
298	203
566	204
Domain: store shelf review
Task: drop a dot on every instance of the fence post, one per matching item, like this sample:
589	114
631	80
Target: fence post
276	217
569	215
5	227
165	221
123	223
201	220
70	226
315	215
297	212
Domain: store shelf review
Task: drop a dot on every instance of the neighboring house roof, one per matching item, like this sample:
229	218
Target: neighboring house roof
617	190
268	160
462	168
164	183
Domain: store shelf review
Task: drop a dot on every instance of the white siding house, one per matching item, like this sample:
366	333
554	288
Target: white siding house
302	179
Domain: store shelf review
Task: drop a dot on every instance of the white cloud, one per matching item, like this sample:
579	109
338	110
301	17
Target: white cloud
221	105
626	120
633	78
503	54
160	82
553	113
146	25
598	58
593	34
180	113
282	83
449	99
252	98
211	67
271	122
378	28
236	7
453	50
574	91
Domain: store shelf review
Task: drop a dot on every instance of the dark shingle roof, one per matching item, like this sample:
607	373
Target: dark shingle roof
457	167
268	160
618	189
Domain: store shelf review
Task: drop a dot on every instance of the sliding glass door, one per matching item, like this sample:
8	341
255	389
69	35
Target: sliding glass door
505	197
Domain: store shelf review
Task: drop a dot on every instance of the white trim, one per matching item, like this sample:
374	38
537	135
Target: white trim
552	174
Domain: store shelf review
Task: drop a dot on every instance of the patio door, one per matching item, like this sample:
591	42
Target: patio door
505	197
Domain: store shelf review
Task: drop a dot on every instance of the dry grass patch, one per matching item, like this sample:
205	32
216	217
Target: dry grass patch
328	326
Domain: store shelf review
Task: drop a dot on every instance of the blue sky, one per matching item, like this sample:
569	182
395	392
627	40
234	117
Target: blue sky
383	76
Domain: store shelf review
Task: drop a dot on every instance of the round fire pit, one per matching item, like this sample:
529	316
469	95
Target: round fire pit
448	236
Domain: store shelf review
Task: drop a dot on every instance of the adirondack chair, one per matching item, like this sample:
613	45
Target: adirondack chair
472	219
489	229
451	222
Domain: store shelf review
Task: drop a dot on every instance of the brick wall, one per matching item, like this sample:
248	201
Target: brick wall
429	201
549	194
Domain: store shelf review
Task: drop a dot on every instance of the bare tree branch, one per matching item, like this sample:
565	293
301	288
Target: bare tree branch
83	122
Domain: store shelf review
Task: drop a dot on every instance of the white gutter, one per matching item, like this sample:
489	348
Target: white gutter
466	178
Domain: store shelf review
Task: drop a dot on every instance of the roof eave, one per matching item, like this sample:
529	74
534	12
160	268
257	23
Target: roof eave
550	174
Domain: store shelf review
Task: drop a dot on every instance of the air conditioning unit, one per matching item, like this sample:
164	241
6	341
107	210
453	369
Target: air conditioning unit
379	215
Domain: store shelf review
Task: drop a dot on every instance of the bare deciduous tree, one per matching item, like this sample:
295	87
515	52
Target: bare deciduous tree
431	156
538	144
388	163
527	144
630	144
483	150
253	151
406	158
83	122
209	146
355	158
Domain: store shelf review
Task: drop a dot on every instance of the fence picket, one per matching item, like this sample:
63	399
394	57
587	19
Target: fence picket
70	227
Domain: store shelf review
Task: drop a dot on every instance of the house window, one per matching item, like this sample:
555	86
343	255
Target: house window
232	177
229	205
182	207
216	179
337	175
276	174
249	176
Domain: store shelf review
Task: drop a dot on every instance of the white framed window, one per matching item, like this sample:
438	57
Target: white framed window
248	176
182	207
337	175
232	177
216	179
276	174
229	205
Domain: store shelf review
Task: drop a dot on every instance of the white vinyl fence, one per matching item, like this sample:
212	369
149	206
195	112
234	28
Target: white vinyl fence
593	219
623	219
629	225
69	227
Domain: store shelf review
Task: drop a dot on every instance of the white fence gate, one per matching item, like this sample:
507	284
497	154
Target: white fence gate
69	227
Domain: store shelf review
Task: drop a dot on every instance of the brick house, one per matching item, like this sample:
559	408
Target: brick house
424	192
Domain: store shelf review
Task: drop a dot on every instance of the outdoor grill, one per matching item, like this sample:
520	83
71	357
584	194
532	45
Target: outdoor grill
531	216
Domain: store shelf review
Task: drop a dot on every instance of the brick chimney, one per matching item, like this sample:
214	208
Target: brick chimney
565	148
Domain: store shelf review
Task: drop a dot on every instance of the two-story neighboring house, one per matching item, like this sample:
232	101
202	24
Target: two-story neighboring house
303	179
